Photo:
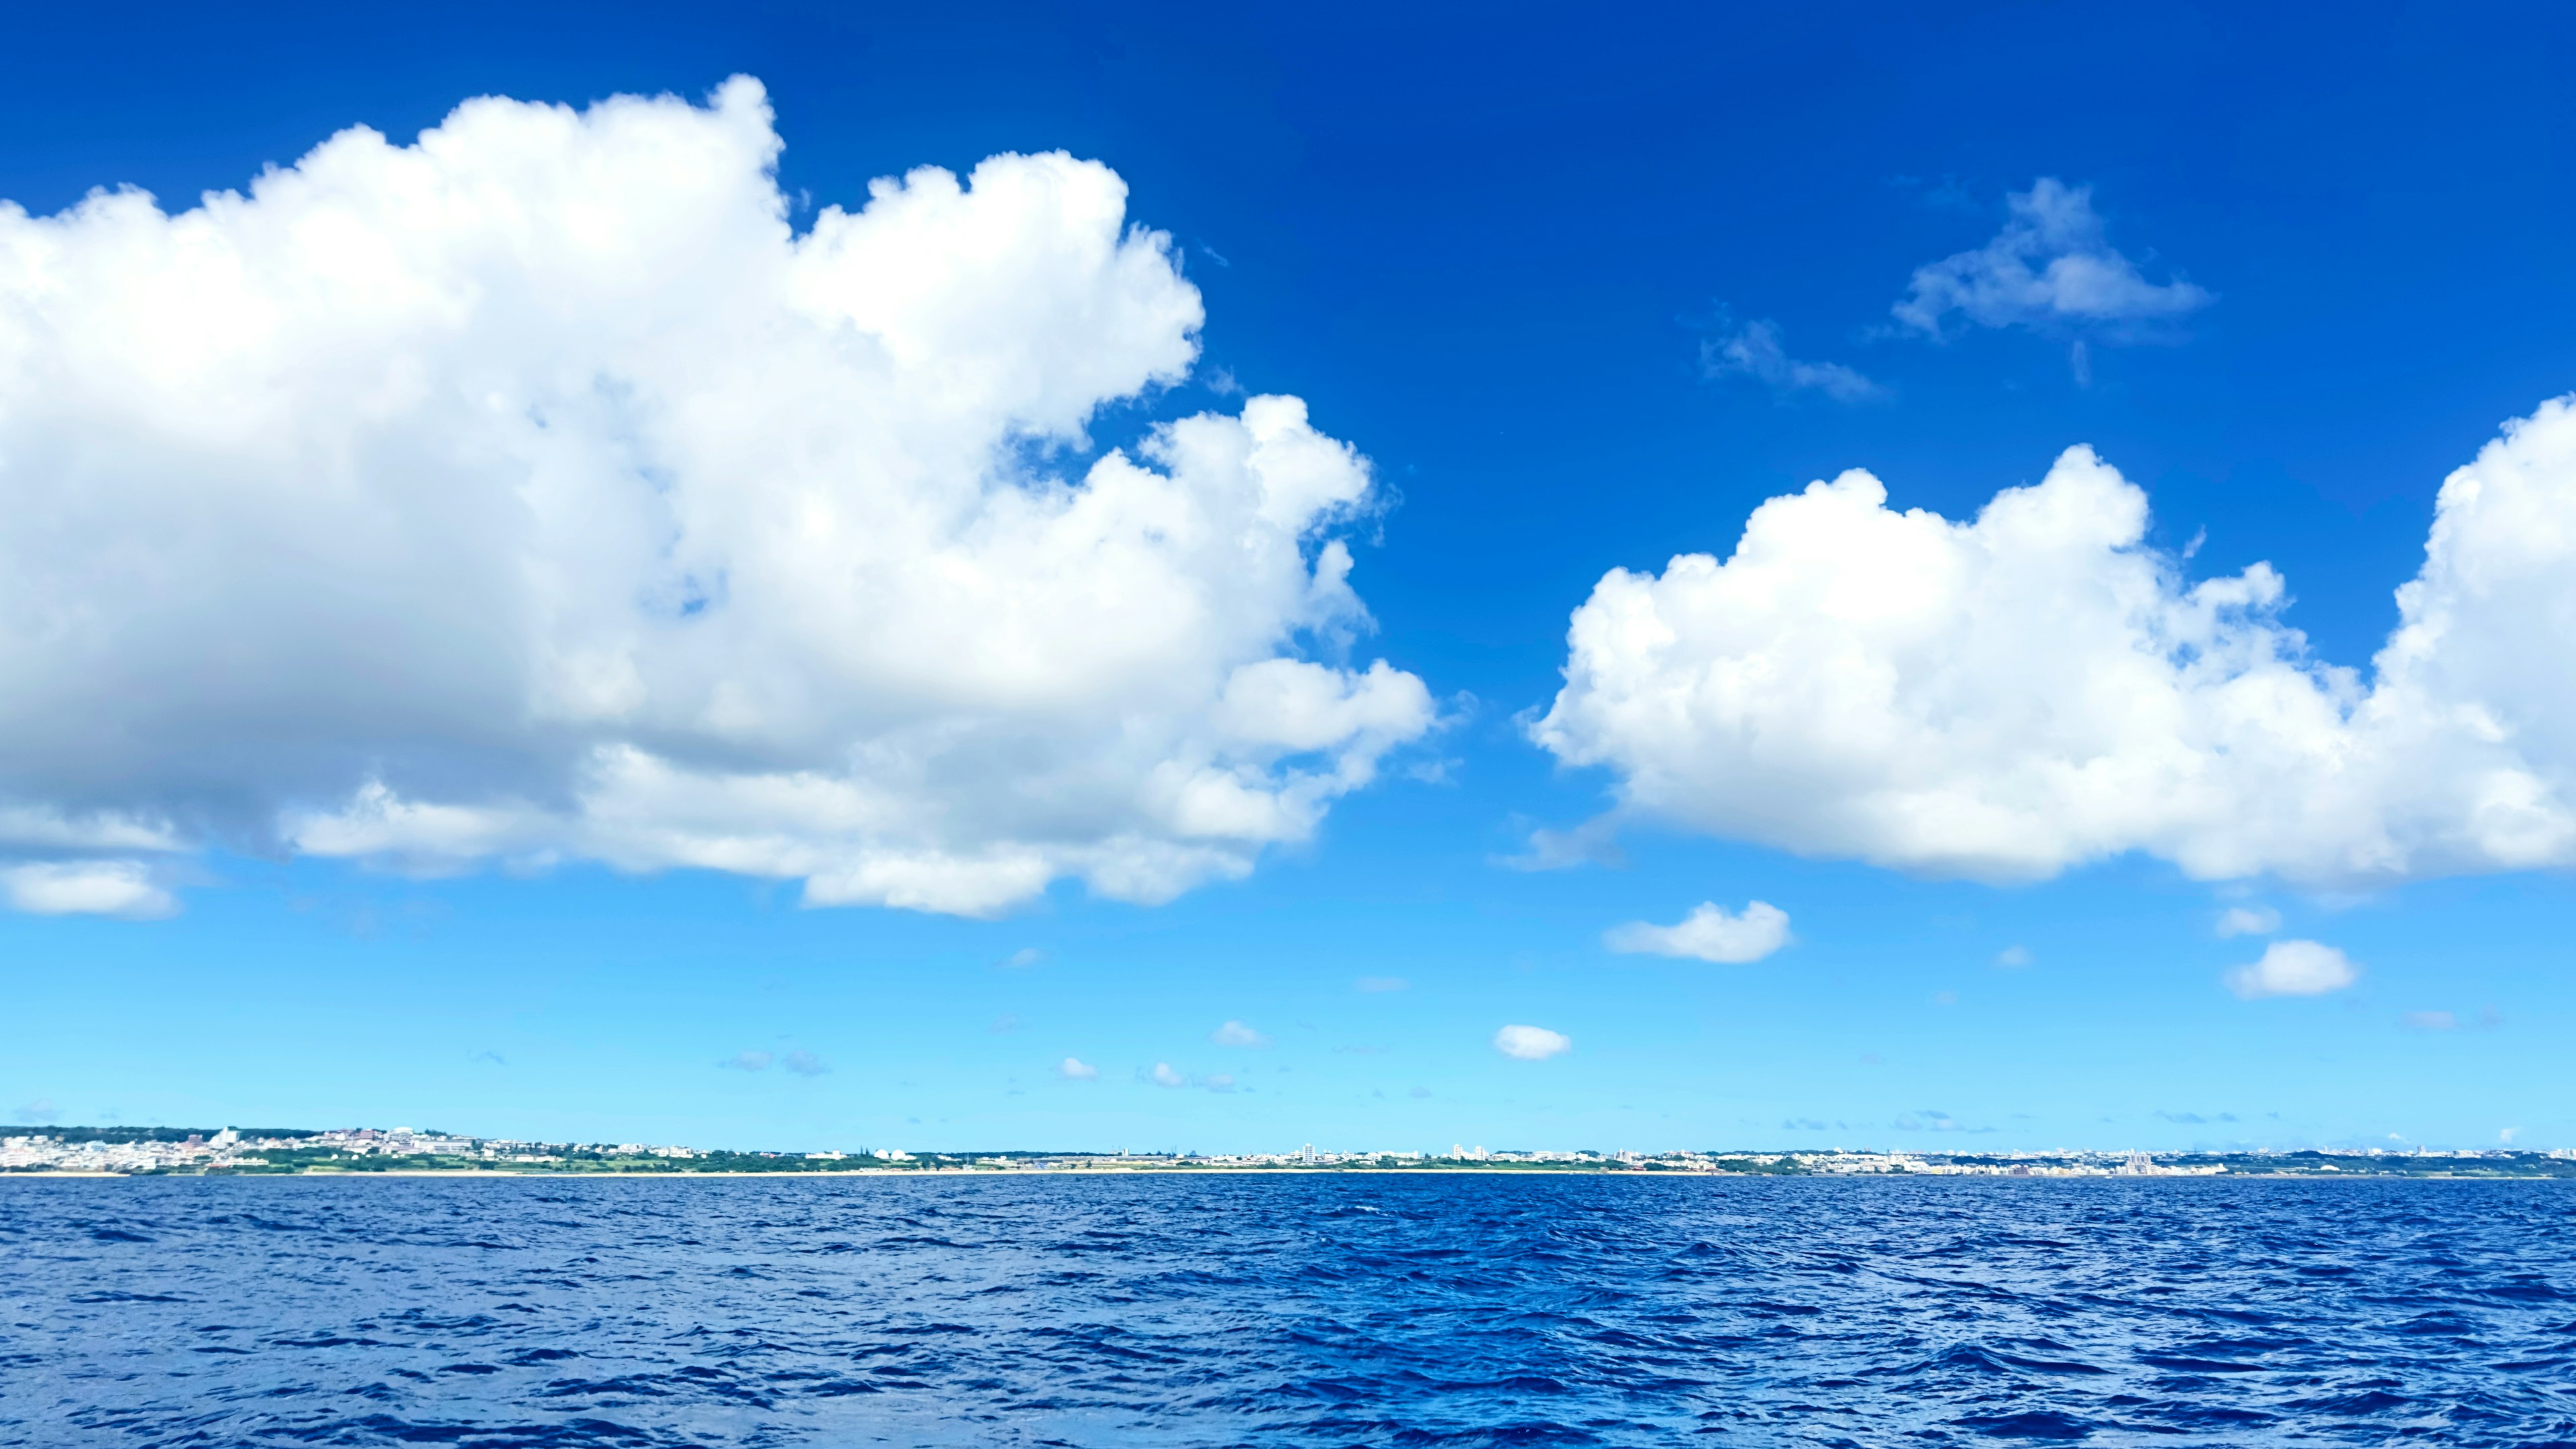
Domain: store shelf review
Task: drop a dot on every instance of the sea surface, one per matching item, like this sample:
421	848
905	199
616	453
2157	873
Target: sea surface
1275	1310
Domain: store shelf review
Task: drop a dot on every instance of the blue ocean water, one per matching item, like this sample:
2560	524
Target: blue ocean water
1333	1310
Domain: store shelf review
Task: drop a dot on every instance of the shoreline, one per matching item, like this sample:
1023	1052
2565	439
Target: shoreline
952	1173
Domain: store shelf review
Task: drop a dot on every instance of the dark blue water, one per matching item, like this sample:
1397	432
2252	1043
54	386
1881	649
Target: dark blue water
1271	1310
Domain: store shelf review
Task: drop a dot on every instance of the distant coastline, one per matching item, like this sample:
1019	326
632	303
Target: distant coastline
99	1152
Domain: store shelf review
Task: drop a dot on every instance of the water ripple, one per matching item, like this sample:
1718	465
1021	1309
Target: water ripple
1358	1310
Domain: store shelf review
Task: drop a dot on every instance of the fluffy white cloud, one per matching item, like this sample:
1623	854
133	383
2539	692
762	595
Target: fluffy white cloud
1709	933
2052	267
2248	921
2035	688
535	491
86	888
1074	1069
1530	1043
1165	1075
2294	968
1754	350
1236	1034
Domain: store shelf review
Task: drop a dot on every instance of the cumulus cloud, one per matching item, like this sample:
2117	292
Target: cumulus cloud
804	1064
87	888
1165	1075
1530	1043
1708	933
2294	968
1754	351
534	491
2248	921
1236	1034
2036	688
2051	269
1074	1069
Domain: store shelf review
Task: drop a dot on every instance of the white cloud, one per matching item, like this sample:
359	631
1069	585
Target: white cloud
2294	968
2013	958
2036	688
1236	1034
748	1062
87	888
1709	933
1594	842
2430	1021
1380	984
1025	956
2248	921
1074	1069
804	1064
1754	350
1164	1075
535	492
1530	1043
2050	269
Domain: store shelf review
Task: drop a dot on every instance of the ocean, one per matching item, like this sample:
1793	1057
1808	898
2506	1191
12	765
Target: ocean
1283	1309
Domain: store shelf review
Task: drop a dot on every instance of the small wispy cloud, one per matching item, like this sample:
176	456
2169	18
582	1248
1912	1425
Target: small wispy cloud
1419	1093
1025	956
2052	269
1594	842
2248	921
1074	1069
804	1064
2429	1021
748	1062
40	1113
1754	350
1164	1074
1236	1034
1709	933
2013	958
495	1058
1378	984
1005	1024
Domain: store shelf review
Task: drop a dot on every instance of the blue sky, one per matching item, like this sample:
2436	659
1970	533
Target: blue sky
1533	266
